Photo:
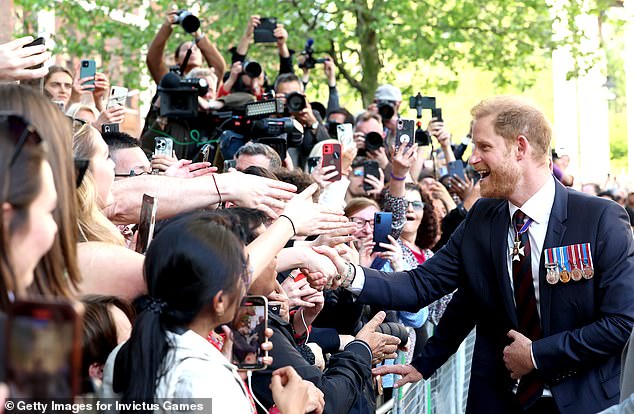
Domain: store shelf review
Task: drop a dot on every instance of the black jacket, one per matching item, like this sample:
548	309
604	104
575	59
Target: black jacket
346	383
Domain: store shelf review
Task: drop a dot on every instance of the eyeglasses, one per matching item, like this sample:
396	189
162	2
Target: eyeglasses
357	173
361	222
19	127
416	205
132	173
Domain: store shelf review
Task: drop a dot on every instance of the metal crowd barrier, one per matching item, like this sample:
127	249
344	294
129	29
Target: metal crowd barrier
444	393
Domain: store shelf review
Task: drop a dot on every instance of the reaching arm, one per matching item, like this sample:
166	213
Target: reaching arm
212	56
154	59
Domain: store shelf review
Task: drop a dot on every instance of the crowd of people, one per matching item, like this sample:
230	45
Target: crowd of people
241	214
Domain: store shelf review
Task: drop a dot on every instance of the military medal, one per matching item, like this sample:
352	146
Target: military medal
552	277
518	250
576	274
564	275
588	271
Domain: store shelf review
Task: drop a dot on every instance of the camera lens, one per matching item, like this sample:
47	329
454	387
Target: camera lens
253	69
295	102
373	141
84	64
386	110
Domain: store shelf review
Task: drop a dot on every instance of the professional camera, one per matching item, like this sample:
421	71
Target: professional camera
386	109
251	68
422	136
394	329
255	124
420	102
187	20
179	97
373	141
295	102
309	61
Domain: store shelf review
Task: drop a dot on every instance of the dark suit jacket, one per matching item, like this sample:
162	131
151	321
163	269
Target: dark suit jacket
585	324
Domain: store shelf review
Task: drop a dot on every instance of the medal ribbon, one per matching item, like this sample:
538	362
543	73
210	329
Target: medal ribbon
571	257
587	255
560	258
524	228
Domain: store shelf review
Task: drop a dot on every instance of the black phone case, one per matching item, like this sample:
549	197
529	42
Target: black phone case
370	167
456	168
264	32
404	128
382	228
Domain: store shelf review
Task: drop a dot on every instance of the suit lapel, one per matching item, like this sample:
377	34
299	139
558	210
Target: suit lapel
499	250
554	237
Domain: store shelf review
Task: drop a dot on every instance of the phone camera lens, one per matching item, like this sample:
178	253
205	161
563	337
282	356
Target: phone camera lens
85	64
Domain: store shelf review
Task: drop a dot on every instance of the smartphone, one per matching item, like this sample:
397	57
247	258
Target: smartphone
88	68
345	135
331	155
437	113
105	128
163	146
43	345
382	228
203	154
370	167
456	168
146	223
248	333
312	163
118	96
263	33
275	308
37	84
37	42
404	132
228	164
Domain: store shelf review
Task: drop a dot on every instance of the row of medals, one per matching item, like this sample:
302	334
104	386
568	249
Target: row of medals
553	275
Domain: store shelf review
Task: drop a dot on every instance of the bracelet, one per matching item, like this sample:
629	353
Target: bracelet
347	279
292	225
218	190
397	178
199	38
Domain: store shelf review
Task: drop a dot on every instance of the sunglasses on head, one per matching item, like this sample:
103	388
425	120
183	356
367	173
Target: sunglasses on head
19	130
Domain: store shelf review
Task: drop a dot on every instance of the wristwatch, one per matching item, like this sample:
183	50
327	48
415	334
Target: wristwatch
314	126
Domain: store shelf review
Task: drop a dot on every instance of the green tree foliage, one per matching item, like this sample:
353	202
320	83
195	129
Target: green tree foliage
371	40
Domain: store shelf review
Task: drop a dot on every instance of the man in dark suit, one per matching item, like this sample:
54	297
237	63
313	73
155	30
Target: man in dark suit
549	288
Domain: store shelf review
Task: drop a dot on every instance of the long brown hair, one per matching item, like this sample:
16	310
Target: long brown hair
57	273
429	227
20	184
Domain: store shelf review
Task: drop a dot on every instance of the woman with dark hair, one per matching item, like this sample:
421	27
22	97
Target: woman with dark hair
107	322
28	198
168	355
421	229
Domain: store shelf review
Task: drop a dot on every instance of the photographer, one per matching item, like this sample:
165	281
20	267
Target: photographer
329	70
243	79
200	47
387	101
369	135
314	130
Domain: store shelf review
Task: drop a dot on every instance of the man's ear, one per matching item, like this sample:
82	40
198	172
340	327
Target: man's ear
523	147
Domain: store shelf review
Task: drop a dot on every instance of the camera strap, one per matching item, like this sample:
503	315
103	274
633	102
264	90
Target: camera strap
186	60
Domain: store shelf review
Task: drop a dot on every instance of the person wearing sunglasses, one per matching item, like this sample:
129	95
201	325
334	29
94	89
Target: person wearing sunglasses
28	197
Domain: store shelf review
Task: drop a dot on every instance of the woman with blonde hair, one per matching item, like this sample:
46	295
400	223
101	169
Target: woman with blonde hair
95	191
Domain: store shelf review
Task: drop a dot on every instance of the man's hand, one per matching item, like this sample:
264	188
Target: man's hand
187	169
383	346
306	117
294	395
16	59
254	21
407	372
517	356
280	34
329	70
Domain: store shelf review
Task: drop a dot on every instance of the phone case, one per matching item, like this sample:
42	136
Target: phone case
404	132
228	164
87	68
35	328
263	33
147	219
437	113
456	168
382	228
331	155
163	146
370	167
345	135
248	333
118	96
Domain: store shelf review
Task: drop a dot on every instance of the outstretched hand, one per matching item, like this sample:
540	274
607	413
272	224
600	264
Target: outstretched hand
407	372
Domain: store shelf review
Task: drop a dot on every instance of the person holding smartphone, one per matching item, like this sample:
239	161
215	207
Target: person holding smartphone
19	61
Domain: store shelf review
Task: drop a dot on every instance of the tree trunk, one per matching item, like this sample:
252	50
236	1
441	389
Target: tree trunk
369	51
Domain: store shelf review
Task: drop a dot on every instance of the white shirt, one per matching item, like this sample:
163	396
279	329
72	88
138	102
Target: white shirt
195	369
